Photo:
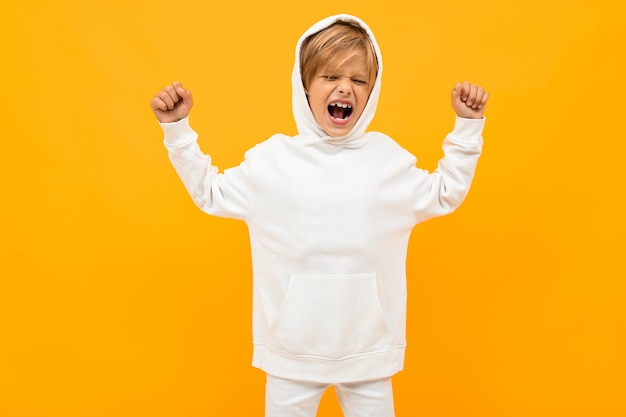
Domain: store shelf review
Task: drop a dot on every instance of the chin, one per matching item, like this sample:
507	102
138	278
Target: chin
337	131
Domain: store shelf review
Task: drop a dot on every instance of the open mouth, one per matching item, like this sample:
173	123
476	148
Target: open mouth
339	110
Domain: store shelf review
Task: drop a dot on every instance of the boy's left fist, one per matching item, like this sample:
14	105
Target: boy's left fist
172	103
469	100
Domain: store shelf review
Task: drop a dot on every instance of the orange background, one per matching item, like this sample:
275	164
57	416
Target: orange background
119	298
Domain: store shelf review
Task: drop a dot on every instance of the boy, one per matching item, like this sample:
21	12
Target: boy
329	213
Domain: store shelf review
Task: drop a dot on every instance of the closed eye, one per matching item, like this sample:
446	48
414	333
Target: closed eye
359	82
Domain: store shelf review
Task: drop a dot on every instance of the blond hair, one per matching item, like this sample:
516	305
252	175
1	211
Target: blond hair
333	46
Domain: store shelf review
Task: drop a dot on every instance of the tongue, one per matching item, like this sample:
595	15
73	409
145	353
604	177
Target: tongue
338	112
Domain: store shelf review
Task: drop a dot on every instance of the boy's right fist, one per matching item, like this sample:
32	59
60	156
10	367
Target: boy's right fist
172	103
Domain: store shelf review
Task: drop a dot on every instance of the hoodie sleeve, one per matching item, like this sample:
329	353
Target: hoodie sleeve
223	195
442	191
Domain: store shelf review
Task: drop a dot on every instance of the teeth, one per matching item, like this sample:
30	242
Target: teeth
343	105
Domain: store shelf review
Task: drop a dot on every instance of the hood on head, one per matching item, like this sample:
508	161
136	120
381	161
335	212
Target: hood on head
305	121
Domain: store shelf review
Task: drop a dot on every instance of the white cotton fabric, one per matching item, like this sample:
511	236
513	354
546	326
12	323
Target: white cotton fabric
289	398
329	222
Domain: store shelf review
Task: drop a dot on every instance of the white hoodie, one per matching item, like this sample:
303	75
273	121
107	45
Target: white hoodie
329	222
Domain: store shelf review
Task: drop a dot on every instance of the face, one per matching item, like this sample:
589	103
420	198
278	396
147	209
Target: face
338	96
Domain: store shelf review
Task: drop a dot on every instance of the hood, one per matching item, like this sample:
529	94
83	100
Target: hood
305	121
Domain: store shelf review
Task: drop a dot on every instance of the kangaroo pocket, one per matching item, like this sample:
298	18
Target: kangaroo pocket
330	316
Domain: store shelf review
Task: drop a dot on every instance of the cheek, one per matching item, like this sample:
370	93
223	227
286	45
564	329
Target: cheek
317	102
363	98
318	108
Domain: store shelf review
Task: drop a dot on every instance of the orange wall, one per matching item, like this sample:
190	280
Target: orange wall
119	298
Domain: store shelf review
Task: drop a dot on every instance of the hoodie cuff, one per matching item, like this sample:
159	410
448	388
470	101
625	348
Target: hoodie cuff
468	130
178	133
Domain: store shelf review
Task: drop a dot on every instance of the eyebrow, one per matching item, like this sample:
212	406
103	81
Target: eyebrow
328	70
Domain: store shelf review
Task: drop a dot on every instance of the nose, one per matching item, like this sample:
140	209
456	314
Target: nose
344	87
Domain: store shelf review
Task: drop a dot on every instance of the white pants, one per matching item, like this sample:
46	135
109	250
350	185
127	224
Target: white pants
287	398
